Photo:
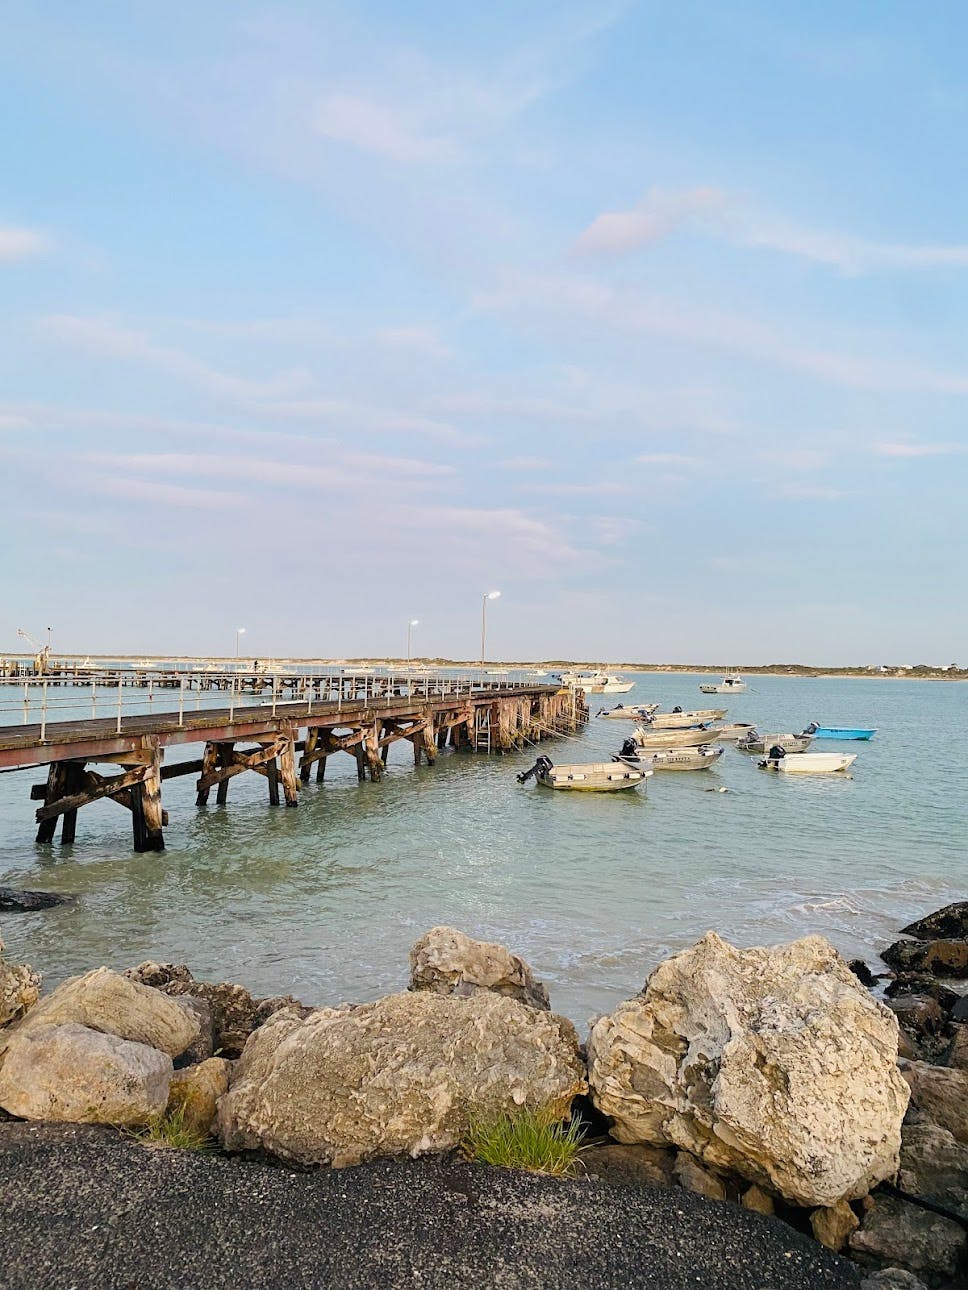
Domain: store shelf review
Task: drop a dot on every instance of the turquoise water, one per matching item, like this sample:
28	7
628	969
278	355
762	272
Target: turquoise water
593	890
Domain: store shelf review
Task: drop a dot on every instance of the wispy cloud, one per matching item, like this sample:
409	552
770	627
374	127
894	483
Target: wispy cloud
726	217
919	449
375	127
681	461
524	463
22	243
143	490
813	492
606	488
422	341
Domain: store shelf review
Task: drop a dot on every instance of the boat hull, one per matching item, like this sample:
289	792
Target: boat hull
676	758
789	743
738	730
661	740
683	720
596	777
845	732
635	712
810	763
722	688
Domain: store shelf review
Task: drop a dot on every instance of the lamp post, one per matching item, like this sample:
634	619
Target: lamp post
490	595
239	632
414	622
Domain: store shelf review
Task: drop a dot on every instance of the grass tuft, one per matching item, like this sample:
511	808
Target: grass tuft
170	1131
524	1139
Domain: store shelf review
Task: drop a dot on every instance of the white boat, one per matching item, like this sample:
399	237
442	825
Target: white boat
683	720
586	777
645	738
597	682
634	712
732	683
700	758
810	763
754	742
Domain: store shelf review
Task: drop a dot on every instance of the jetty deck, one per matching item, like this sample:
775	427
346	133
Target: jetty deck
282	739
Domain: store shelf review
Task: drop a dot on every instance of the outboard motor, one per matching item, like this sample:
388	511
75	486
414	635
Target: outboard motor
811	729
776	752
677	708
629	748
542	764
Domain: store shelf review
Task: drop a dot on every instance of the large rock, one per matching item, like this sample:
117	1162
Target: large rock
403	1075
773	1063
939	957
834	1225
448	962
934	1165
106	1001
23	901
892	1279
194	1093
896	1233
637	1165
950	921
70	1072
19	989
957	1055
939	1094
233	1012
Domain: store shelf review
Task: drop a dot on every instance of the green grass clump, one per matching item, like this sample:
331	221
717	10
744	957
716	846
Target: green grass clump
523	1139
171	1131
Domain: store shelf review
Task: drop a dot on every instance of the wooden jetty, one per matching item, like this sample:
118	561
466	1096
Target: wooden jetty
286	742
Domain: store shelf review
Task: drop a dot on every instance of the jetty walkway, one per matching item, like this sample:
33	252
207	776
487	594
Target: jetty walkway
284	728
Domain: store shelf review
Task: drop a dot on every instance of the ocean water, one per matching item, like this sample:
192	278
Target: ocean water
592	889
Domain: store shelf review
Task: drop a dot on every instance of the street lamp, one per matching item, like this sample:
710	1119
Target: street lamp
239	631
414	622
490	595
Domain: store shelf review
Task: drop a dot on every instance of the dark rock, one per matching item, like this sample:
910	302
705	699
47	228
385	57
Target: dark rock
638	1164
233	1012
934	1166
204	1045
892	1279
266	1008
24	901
897	1233
941	957
957	1054
959	1010
950	921
919	1015
922	983
862	972
939	1094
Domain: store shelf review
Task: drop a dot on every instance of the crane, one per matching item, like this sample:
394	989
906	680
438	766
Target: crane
42	657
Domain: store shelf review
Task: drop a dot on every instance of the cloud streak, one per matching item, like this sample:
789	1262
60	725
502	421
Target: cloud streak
21	243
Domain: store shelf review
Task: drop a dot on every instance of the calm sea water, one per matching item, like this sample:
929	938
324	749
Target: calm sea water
325	901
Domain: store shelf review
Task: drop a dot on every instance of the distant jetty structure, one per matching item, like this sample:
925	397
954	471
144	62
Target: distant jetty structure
281	726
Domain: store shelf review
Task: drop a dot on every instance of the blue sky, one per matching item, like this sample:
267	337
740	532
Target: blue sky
320	317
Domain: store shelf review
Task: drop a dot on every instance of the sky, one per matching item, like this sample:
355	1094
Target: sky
317	318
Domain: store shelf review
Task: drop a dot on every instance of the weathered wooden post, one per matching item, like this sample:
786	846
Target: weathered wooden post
287	768
372	751
209	762
56	789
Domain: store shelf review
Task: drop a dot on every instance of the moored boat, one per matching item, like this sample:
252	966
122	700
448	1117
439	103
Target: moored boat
735	730
732	683
683	720
840	732
634	712
754	742
587	777
701	758
810	763
597	682
642	737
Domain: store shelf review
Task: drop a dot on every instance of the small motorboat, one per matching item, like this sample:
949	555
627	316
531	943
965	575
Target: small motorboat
754	742
732	683
840	732
588	777
597	682
700	758
679	720
634	712
643	737
807	763
736	730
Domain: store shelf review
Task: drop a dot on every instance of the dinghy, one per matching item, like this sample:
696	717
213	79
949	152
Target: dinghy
634	712
700	758
683	720
736	730
587	777
840	732
809	763
645	738
757	743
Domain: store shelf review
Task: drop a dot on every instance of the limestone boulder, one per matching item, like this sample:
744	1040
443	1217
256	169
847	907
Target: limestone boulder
194	1093
71	1072
939	1094
403	1075
957	1054
105	1001
898	1234
447	961
233	1011
774	1064
833	1225
158	974
19	989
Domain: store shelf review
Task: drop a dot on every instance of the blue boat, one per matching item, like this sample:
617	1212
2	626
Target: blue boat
840	732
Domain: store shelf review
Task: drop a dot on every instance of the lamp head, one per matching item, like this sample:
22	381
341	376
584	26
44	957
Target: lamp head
240	631
414	622
492	595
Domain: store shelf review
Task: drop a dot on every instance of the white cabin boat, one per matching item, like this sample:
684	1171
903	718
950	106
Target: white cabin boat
701	758
586	777
732	683
597	682
810	763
